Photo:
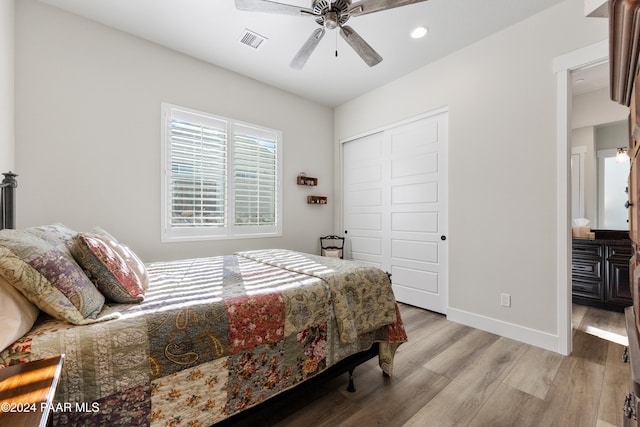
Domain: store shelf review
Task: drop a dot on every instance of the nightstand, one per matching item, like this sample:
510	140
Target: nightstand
27	391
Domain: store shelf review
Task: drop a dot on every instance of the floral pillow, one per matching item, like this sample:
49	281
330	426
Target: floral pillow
57	267
107	269
37	289
59	235
127	254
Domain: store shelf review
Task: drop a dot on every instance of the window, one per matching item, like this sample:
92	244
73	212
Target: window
220	177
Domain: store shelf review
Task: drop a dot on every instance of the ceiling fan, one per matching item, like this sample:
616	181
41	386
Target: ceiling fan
329	14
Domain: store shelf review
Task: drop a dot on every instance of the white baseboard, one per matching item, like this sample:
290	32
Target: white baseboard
505	329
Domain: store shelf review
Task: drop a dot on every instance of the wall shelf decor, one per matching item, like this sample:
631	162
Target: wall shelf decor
317	200
306	180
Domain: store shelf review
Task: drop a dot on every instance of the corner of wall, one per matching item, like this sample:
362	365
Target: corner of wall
7	102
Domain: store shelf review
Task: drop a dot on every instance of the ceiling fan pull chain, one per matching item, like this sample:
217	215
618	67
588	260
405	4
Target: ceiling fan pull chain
336	44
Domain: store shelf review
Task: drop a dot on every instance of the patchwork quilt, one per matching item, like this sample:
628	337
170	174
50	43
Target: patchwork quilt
215	336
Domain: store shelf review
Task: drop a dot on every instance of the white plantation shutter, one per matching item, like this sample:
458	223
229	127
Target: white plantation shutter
198	173
255	177
221	178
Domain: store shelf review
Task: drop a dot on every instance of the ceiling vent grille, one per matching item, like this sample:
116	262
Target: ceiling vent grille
252	39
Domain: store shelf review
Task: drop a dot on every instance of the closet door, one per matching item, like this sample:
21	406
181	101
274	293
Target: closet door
395	209
366	195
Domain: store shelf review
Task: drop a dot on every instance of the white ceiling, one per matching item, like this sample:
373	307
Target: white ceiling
210	30
590	79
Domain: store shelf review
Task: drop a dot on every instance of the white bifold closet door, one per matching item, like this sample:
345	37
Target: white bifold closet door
395	207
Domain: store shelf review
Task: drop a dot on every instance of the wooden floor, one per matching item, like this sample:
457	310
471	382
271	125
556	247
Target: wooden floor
454	375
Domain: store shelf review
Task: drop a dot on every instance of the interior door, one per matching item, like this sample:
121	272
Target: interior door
395	207
365	213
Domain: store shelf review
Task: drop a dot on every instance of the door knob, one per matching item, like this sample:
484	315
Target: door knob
443	237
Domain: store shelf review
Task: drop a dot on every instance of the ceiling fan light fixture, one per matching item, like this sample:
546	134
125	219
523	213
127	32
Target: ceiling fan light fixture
331	20
419	32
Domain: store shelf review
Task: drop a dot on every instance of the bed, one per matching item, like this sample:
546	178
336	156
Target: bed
190	342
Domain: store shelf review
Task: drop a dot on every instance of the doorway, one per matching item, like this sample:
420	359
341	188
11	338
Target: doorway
564	67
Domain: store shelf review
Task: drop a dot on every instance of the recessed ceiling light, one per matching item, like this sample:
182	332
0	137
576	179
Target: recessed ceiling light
419	32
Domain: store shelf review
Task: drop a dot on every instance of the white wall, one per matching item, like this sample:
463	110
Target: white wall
88	133
6	86
612	135
596	108
501	94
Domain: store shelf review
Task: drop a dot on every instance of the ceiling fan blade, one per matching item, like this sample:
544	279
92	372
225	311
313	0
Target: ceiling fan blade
362	48
307	49
272	7
363	7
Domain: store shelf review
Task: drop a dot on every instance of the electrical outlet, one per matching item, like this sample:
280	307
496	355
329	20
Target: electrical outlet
505	300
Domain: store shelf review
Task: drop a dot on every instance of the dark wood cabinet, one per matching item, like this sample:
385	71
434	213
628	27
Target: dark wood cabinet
618	279
587	276
600	273
624	40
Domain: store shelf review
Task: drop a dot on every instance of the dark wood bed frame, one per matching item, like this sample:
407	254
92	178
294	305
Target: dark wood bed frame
7	201
266	413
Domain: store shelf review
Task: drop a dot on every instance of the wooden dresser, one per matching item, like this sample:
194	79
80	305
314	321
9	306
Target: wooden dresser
624	47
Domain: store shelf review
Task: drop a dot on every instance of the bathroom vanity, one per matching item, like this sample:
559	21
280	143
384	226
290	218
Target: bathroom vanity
600	270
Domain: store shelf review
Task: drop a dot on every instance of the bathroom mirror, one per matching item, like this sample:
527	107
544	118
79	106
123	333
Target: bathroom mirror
599	176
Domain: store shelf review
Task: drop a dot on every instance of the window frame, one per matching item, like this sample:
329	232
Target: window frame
230	230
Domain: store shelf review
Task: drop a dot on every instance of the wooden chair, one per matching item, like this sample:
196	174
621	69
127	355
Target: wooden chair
332	246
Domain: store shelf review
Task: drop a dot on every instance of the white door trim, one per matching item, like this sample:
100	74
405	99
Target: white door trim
396	124
563	66
581	152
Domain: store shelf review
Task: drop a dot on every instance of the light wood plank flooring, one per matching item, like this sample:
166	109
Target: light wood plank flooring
453	375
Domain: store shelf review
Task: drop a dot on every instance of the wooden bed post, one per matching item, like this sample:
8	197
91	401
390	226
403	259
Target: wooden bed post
7	203
351	387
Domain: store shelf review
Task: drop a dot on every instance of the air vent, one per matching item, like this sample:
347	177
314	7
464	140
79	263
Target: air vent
252	39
